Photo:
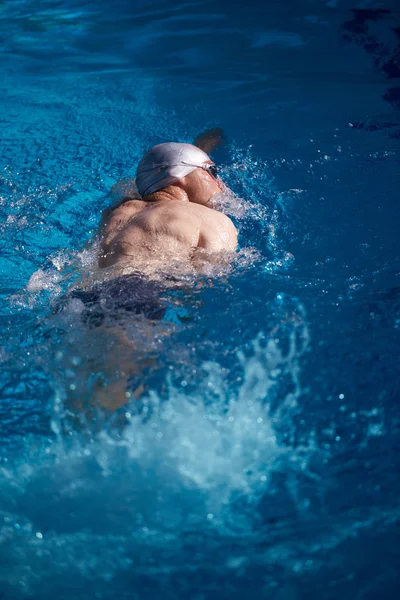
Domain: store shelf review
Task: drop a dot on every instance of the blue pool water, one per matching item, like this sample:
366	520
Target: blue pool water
261	456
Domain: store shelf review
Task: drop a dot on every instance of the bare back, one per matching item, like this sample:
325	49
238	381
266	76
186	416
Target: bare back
147	236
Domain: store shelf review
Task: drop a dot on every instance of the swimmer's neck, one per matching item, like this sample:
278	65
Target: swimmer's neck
172	192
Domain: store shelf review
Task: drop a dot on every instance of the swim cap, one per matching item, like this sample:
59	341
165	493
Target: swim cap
167	163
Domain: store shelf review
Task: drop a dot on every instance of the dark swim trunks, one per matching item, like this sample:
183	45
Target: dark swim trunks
118	298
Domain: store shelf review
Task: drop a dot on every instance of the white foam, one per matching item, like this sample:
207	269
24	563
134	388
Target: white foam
213	439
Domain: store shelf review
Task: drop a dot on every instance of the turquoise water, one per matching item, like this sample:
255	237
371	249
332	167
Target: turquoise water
261	453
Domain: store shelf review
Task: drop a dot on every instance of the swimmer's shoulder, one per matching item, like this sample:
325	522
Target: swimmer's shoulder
197	214
217	231
117	217
126	201
209	215
129	206
125	209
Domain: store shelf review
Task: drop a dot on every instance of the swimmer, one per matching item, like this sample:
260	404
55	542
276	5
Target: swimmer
171	219
163	219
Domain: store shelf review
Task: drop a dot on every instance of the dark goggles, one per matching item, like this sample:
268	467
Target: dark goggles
212	169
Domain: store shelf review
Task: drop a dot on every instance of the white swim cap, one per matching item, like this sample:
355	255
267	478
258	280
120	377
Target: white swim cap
167	163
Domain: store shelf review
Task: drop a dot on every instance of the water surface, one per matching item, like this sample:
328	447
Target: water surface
261	455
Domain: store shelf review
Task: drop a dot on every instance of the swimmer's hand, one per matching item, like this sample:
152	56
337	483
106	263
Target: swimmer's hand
210	140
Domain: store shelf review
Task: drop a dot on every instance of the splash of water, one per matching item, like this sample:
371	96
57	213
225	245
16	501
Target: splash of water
195	464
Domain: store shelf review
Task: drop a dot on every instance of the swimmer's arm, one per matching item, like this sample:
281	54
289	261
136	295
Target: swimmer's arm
224	238
209	140
202	258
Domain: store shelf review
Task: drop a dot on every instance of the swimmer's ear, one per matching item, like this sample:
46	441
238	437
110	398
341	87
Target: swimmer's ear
210	140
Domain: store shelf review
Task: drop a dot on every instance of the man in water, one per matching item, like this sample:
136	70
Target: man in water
170	226
175	220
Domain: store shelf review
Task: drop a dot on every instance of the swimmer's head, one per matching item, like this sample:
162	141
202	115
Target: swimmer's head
183	165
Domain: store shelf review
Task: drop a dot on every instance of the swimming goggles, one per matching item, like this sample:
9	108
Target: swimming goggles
209	167
212	169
